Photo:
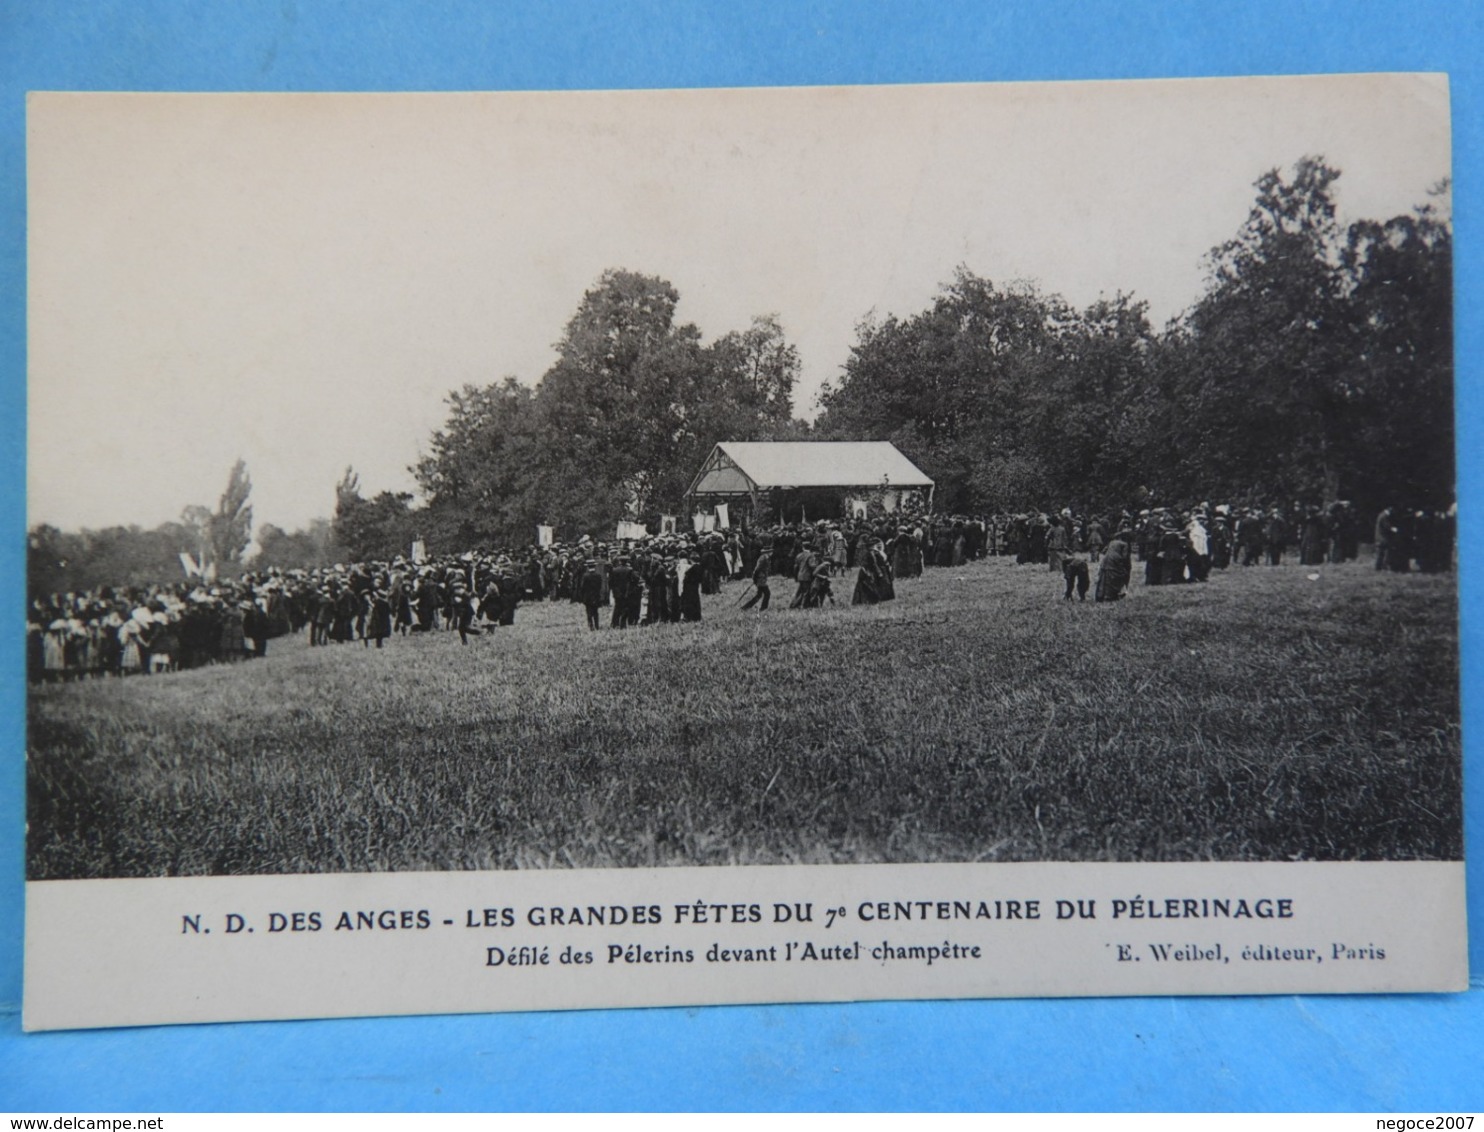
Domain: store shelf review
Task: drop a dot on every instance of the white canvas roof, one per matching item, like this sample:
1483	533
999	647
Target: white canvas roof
738	468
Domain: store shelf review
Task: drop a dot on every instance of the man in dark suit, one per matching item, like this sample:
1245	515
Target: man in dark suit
590	591
760	571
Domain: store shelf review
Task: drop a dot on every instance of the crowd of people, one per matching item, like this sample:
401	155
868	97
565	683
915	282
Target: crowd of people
658	580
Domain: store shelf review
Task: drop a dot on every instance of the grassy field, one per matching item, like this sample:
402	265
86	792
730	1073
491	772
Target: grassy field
1263	716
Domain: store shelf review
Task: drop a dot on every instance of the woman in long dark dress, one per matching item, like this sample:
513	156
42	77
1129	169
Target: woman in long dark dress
873	583
379	614
690	594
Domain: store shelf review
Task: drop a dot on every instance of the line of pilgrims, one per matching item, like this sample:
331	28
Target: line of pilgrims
659	580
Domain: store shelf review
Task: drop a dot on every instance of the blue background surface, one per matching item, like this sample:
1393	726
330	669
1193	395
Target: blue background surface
1417	1053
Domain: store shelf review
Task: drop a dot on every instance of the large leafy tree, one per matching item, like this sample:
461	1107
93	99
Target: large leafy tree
1004	395
1270	376
1400	278
756	370
478	476
379	528
615	407
1316	364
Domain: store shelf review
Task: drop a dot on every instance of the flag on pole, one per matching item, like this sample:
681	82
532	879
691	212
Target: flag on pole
188	564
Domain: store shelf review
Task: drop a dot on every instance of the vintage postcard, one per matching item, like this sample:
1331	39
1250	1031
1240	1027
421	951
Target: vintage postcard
560	550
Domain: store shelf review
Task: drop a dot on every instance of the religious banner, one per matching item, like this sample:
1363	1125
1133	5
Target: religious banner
723	518
545	535
667	524
419	551
631	531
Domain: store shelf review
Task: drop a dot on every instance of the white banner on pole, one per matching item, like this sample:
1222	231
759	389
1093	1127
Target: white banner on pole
188	564
545	535
419	551
723	516
631	531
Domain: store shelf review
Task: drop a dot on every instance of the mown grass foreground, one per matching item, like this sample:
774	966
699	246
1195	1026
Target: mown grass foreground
1262	716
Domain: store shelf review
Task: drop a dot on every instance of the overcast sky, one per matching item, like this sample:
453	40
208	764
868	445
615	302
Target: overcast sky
299	280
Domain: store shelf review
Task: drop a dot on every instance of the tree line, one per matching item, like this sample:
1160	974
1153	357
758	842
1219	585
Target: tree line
614	429
1316	364
60	561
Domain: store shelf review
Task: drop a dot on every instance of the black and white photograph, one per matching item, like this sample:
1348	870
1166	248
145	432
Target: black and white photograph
947	475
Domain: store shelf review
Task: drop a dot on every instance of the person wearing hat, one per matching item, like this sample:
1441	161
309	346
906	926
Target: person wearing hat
873	579
425	601
1314	538
762	569
255	626
321	616
837	549
1097	537
1058	541
713	565
623	584
233	636
590	591
133	652
342	629
656	582
690	592
1116	568
379	613
1248	536
1074	569
1199	543
1275	536
1173	551
805	562
461	609
820	590
1220	540
164	648
54	650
